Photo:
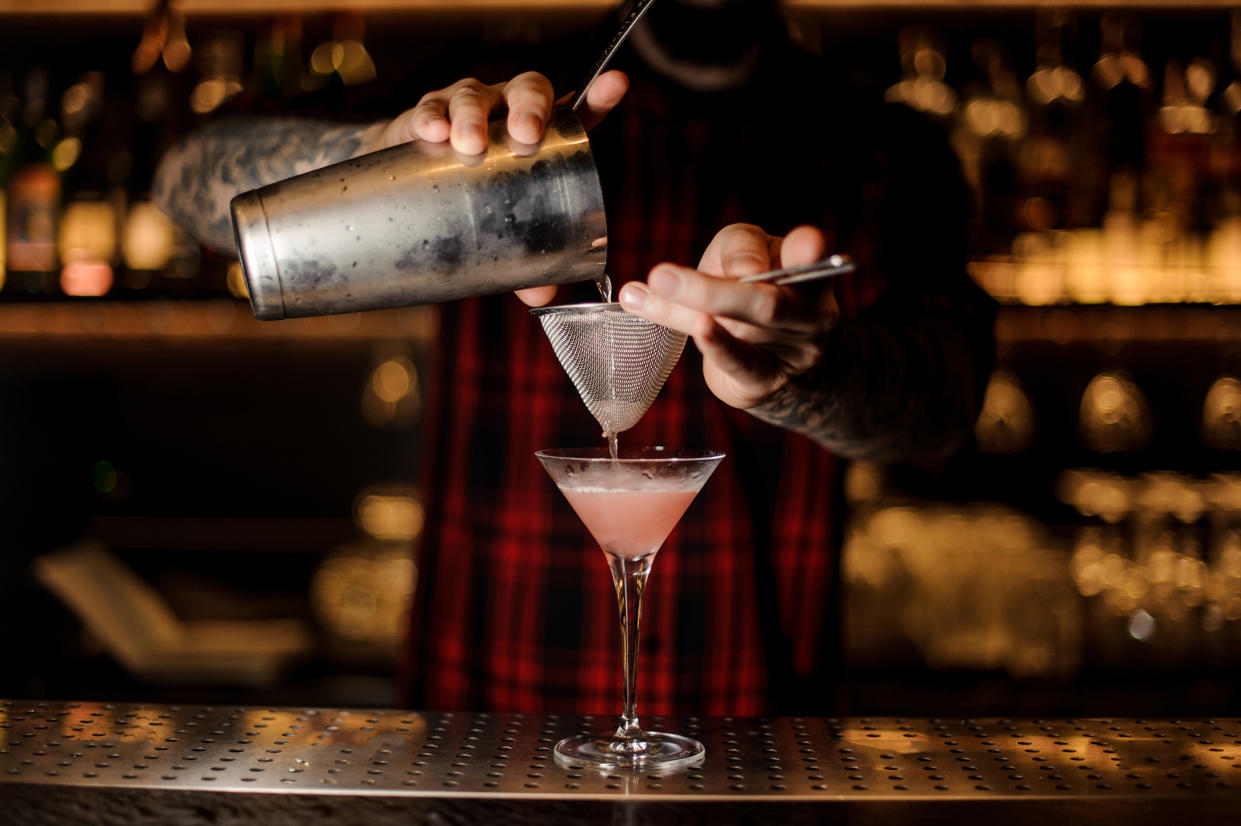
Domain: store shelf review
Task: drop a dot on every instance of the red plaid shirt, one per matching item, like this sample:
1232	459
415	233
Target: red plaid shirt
515	608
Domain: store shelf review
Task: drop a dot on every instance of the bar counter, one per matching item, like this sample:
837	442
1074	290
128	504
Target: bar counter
138	764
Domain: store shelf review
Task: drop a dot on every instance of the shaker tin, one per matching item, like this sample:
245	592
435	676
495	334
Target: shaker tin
420	223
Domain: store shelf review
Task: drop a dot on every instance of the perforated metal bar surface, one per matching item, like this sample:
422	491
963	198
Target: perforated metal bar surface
365	752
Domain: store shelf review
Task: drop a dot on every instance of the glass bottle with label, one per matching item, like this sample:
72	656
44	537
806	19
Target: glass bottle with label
32	195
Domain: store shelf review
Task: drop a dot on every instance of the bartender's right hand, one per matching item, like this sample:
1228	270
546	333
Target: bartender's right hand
459	113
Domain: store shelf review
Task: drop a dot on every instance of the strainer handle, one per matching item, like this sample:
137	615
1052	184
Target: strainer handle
829	267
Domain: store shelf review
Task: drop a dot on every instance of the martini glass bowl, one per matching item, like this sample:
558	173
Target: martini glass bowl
629	504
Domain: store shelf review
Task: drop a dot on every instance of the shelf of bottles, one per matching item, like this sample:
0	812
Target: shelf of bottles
1094	524
1116	181
77	155
1104	151
84	250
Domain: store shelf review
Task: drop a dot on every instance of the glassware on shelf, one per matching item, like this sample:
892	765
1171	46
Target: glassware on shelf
1053	80
1006	423
1115	416
1221	414
629	504
922	83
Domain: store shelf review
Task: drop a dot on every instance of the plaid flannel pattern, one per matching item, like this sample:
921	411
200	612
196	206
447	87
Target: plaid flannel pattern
515	608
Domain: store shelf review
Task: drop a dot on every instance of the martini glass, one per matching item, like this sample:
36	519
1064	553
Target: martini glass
629	504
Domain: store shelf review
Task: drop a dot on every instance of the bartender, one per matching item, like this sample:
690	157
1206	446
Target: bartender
740	153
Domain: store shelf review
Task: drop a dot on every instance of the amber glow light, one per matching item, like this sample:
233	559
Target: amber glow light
236	280
393	517
87	231
87	242
149	238
4	223
86	278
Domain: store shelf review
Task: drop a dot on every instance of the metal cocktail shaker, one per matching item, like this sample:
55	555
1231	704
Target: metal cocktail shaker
421	223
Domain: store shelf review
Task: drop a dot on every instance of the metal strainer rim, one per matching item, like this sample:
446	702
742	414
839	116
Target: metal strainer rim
587	306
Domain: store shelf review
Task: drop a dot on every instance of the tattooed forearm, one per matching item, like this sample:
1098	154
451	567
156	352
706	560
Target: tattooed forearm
198	177
898	389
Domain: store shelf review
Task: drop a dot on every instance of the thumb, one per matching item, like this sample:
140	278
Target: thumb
603	96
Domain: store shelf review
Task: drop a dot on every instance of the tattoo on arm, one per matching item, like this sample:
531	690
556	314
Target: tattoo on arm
903	378
198	177
908	387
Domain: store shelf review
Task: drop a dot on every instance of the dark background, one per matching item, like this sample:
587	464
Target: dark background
239	458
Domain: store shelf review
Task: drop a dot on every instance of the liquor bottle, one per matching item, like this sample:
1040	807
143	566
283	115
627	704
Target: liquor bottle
1223	255
88	223
8	146
278	63
159	258
1050	162
993	121
1123	78
32	195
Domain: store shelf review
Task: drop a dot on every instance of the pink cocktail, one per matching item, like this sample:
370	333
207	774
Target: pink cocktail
630	523
629	504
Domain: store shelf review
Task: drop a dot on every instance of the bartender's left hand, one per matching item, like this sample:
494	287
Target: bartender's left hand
459	113
754	338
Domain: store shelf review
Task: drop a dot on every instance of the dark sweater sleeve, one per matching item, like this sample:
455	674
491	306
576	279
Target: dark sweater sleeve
902	377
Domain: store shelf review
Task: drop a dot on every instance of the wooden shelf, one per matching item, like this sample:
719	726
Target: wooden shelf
1103	323
203	8
219	318
264	7
224	534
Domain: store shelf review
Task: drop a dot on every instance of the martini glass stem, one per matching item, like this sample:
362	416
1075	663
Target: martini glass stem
629	578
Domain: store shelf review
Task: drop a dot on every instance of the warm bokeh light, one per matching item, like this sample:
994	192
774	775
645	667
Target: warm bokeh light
347	58
1114	415
8	136
236	281
393	515
87	231
991	117
66	154
1006	422
73	102
392	397
1221	414
220	64
922	87
46	132
1049	84
212	93
1149	560
4	244
86	278
393	379
149	237
362	594
977	588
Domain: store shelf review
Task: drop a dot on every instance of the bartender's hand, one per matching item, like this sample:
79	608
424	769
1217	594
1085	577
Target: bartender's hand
754	338
459	113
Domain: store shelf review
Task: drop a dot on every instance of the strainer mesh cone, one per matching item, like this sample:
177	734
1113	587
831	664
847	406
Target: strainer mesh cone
617	361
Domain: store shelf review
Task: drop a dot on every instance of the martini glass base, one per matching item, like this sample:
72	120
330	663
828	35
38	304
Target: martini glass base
664	752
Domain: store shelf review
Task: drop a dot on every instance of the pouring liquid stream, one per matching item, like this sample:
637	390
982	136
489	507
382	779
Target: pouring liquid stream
604	283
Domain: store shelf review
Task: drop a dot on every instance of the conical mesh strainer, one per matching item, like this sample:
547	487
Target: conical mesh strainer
617	361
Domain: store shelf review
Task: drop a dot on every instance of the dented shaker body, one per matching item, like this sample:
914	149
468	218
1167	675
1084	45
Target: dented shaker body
420	223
